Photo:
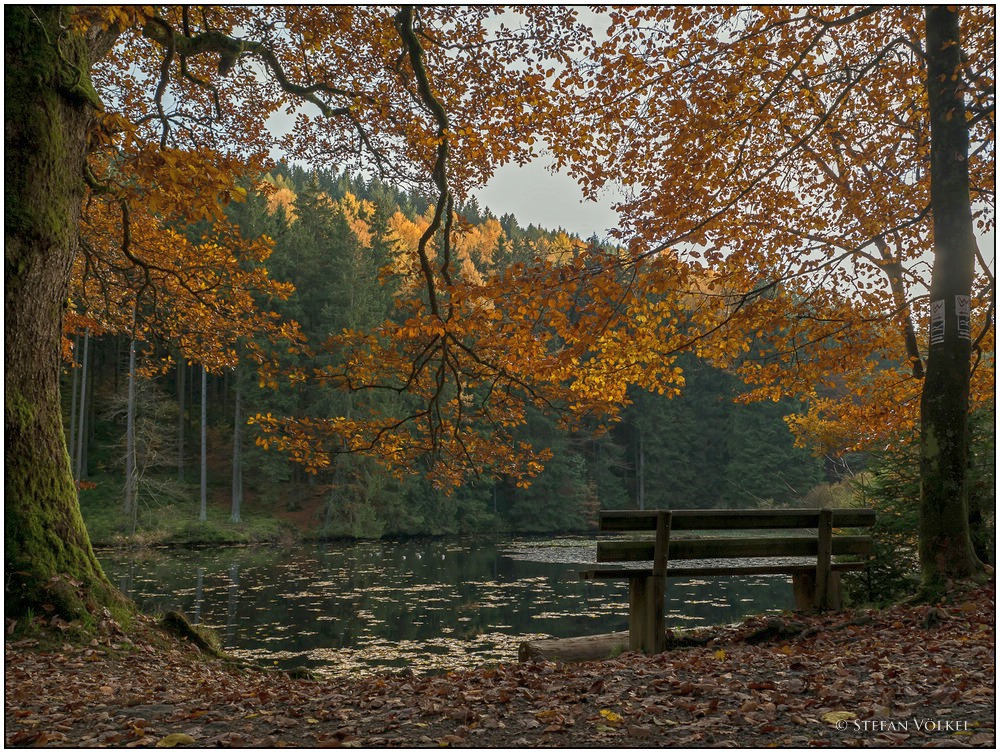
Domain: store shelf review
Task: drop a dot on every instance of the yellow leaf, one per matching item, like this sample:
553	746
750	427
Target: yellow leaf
835	717
612	717
720	654
177	738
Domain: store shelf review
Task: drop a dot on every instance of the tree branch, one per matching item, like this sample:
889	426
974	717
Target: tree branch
404	24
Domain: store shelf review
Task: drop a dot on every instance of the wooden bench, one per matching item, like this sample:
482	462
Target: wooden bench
815	585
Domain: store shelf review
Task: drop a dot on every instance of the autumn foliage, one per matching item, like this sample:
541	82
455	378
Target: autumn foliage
161	262
793	182
780	231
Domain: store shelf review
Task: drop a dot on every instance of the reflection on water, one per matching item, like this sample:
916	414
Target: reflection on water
341	608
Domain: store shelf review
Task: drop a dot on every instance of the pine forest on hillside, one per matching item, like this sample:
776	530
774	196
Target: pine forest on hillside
342	243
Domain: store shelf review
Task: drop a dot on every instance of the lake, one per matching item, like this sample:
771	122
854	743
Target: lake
428	604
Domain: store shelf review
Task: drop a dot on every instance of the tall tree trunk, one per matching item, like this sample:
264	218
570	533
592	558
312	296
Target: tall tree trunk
640	470
181	368
81	439
192	379
131	471
945	545
49	107
203	512
72	406
88	418
237	455
118	361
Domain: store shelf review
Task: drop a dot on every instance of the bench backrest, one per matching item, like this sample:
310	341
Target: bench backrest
728	520
736	520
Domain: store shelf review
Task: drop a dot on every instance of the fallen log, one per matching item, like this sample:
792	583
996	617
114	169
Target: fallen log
609	645
584	648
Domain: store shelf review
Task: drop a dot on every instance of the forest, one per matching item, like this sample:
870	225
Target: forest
333	234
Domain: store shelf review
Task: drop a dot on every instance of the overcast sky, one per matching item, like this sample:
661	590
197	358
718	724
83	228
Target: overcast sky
531	193
535	195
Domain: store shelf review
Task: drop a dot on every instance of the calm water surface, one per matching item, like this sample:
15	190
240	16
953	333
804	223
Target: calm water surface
341	608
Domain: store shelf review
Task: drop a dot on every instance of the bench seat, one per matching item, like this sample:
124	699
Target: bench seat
611	573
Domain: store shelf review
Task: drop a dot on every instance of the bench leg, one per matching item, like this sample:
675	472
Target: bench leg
806	596
834	598
646	623
804	587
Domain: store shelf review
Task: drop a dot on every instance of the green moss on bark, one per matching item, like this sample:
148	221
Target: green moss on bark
22	410
48	557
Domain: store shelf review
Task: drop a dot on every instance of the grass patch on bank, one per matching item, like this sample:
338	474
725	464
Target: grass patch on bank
174	522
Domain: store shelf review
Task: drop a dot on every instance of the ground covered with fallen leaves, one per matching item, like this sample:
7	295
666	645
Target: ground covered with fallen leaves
908	676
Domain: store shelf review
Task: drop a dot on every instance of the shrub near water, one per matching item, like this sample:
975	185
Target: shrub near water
170	523
891	487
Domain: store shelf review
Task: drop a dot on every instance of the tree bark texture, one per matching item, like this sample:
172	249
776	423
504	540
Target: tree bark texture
49	106
203	511
181	368
584	648
945	545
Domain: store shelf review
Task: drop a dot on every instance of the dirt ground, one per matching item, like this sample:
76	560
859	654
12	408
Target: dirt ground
908	676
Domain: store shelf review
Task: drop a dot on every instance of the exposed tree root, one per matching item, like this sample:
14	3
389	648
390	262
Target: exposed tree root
177	624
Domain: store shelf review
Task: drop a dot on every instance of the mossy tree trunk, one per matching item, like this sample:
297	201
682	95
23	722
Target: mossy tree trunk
49	107
945	545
